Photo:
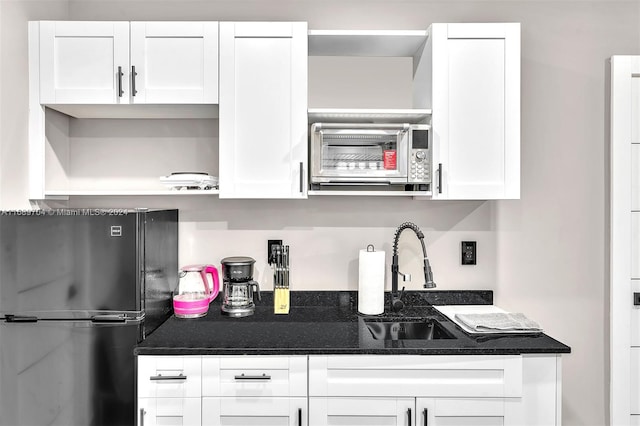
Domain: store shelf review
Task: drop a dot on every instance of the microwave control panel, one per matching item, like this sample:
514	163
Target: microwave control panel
419	156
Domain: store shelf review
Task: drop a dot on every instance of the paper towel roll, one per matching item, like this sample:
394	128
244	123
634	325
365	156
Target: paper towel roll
371	282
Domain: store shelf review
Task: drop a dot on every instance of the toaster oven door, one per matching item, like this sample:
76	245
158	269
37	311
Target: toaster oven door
364	154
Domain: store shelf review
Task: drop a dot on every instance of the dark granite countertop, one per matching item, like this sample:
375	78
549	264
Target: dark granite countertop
328	323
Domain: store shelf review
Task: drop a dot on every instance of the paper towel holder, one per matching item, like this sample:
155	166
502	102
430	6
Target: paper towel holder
371	281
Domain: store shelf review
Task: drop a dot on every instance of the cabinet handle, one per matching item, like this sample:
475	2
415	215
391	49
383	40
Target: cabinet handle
409	415
439	178
301	177
133	80
142	413
243	377
167	378
299	416
425	413
120	91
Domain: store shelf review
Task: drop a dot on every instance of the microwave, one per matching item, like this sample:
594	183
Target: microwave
370	154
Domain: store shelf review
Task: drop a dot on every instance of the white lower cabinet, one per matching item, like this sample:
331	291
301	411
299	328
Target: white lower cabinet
462	412
169	390
350	390
169	411
254	390
407	390
353	411
361	411
254	411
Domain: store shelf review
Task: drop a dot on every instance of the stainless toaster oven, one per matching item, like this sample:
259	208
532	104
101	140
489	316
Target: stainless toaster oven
370	154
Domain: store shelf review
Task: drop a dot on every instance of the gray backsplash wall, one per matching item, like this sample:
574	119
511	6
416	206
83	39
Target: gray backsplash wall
325	235
545	254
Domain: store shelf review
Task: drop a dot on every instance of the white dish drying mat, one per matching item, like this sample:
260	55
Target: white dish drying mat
488	319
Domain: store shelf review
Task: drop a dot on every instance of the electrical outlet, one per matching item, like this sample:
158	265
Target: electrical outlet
468	253
271	243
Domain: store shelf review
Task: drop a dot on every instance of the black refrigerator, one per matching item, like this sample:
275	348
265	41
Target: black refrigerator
78	290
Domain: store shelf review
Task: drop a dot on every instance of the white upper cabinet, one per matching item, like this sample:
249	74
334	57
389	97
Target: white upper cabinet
174	62
83	62
103	63
263	110
476	111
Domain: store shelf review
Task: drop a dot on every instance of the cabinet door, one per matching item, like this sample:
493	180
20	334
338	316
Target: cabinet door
254	411
362	411
263	110
169	411
476	111
460	412
174	62
84	62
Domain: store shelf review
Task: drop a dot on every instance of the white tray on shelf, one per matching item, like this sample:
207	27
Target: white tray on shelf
189	180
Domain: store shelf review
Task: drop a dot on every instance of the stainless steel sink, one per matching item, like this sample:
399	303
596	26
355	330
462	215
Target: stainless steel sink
427	329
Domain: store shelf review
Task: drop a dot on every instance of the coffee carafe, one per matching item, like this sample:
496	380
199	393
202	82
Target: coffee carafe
238	286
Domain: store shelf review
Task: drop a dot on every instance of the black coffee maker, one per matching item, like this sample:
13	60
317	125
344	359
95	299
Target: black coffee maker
238	286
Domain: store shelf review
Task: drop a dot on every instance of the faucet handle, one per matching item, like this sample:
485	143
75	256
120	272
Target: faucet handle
405	277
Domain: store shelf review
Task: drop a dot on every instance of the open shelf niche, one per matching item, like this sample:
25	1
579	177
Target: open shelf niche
393	79
123	157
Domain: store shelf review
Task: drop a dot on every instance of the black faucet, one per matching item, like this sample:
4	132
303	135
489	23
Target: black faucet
396	299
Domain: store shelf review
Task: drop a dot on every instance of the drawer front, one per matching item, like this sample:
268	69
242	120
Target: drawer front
169	376
254	376
439	376
169	411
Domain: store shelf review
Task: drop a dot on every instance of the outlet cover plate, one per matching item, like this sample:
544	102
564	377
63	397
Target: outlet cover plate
271	243
468	253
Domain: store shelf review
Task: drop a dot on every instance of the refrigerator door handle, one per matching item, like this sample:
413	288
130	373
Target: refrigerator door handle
108	318
20	318
143	413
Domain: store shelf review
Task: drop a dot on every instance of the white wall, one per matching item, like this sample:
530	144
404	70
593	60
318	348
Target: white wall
14	88
1	97
552	244
544	255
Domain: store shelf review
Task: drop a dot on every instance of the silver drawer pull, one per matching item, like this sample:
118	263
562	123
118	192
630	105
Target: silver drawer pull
243	377
161	377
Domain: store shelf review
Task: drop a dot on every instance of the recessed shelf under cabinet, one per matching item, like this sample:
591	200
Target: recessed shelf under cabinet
125	193
415	194
361	115
143	111
367	42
